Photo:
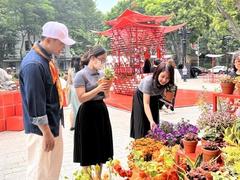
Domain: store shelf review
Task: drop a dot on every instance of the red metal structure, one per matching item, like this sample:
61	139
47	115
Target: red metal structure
132	35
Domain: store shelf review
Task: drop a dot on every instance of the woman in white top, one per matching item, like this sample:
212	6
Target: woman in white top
72	96
177	75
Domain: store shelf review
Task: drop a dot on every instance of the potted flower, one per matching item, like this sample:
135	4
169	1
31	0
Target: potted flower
213	124
170	134
107	78
211	134
227	85
170	92
210	150
197	173
190	141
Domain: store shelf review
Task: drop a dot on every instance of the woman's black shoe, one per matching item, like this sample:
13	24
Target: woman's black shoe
72	128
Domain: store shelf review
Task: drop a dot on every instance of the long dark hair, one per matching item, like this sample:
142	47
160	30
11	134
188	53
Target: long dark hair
75	63
164	67
234	59
95	51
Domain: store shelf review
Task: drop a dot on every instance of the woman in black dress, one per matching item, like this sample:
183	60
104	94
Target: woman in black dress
93	134
145	108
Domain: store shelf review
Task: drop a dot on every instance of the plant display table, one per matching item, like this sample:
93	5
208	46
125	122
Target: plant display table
11	118
232	99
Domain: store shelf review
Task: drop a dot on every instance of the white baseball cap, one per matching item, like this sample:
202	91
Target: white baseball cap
58	31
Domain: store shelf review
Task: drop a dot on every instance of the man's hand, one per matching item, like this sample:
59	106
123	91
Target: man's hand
48	141
48	138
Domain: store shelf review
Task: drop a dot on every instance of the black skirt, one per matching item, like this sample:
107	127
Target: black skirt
93	134
140	125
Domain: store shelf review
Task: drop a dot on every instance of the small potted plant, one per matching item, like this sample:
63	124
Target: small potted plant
211	134
197	173
170	92
227	85
210	150
107	78
190	141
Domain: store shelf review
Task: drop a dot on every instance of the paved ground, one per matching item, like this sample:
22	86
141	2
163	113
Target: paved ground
13	149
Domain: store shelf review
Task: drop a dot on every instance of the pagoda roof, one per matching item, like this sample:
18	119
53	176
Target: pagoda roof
138	17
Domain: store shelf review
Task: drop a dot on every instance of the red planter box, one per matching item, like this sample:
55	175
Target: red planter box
18	109
17	97
7	98
8	111
14	123
1	112
2	125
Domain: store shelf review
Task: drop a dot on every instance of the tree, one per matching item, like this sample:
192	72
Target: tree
7	33
81	17
29	17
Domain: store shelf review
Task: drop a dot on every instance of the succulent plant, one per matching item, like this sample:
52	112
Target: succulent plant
109	73
191	137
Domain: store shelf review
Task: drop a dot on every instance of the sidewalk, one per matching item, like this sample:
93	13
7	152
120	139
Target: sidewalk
13	149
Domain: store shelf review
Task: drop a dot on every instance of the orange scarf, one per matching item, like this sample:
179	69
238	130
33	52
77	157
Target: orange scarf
54	73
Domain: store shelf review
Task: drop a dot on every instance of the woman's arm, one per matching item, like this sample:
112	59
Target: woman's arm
147	110
84	96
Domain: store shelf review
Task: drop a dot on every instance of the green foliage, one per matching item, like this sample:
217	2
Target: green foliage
232	134
232	159
197	163
24	19
109	73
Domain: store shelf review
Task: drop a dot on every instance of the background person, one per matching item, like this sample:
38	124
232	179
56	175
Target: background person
145	108
156	62
93	133
42	103
71	94
177	75
236	65
147	63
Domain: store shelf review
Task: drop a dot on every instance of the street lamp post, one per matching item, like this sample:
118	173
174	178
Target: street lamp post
183	34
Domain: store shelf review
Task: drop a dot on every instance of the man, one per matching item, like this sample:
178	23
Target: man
4	76
6	82
42	103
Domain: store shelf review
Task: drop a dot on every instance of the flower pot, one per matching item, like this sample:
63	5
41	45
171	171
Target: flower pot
209	154
169	96
208	176
227	88
189	146
109	82
203	141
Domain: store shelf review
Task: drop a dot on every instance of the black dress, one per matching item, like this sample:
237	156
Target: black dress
139	122
93	134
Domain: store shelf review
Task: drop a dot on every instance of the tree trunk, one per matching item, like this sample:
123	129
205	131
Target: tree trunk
233	26
176	47
22	43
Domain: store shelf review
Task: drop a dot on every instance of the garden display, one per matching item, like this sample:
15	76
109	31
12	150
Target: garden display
162	154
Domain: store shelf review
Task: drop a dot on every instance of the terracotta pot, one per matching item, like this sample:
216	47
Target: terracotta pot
227	88
203	141
189	146
105	81
169	96
208	176
109	82
209	154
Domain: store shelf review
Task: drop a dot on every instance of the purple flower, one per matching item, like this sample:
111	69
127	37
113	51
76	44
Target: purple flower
170	134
